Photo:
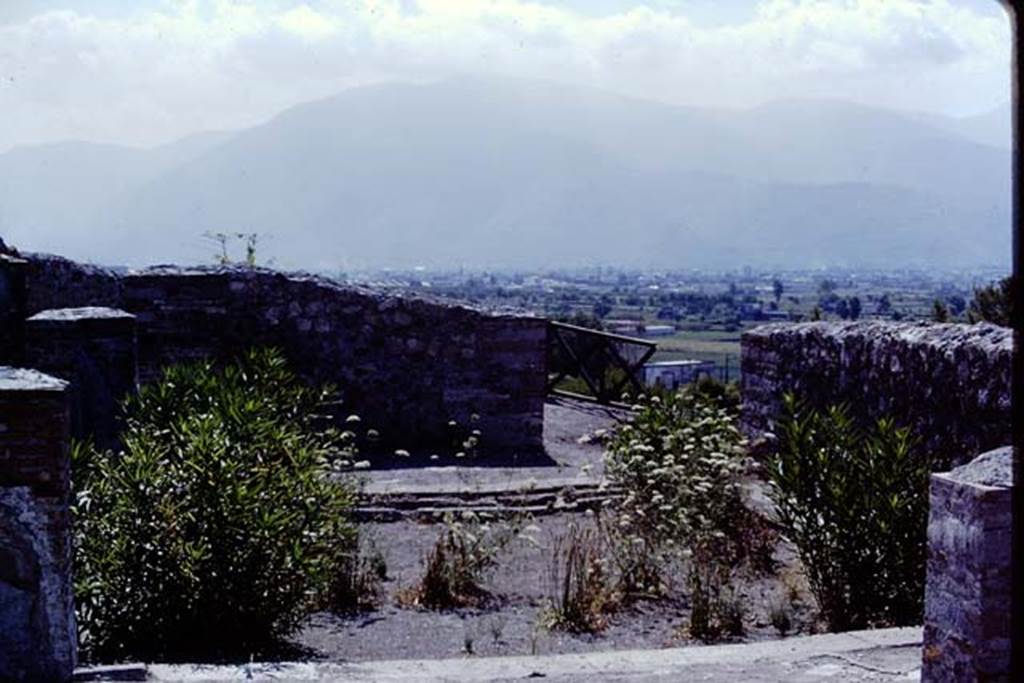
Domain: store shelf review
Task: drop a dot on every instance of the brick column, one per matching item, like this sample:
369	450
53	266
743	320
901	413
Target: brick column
95	350
967	595
37	619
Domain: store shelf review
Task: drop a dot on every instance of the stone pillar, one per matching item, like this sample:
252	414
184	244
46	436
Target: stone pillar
95	350
968	590
37	618
12	308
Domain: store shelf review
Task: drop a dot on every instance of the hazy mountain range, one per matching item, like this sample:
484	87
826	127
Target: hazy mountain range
520	173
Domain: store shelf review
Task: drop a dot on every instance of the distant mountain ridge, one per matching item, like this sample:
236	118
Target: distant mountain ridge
525	173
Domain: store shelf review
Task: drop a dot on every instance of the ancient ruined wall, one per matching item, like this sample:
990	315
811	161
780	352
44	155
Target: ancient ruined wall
94	349
37	620
949	382
970	578
12	308
57	282
407	365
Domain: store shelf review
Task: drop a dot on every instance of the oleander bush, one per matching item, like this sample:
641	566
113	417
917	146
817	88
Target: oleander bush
223	520
854	501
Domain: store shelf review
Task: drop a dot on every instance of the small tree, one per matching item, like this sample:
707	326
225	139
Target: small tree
993	303
777	289
843	309
854	307
884	306
940	313
957	304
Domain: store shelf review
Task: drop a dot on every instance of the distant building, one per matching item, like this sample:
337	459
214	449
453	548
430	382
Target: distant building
751	311
777	315
658	330
622	325
674	373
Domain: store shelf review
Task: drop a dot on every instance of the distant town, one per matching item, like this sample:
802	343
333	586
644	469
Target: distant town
696	315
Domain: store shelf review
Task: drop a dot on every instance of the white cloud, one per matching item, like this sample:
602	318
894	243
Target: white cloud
154	75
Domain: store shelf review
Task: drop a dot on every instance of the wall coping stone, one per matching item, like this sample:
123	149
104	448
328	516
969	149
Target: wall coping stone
990	337
22	379
84	313
238	272
993	469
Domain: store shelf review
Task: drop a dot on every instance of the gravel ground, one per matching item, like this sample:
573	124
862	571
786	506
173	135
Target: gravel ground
509	624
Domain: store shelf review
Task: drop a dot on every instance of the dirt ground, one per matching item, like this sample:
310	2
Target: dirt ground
511	623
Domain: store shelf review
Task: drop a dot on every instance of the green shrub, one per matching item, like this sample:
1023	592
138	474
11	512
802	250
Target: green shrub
855	504
219	526
724	394
679	464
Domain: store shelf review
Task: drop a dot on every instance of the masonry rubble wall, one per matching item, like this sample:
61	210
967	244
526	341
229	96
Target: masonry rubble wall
949	382
94	349
407	365
37	620
968	589
12	308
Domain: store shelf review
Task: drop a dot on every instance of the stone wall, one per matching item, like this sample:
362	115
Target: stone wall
94	349
949	382
57	282
968	591
12	308
37	620
407	365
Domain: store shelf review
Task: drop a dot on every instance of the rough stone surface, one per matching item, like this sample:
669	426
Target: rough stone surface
12	307
95	349
407	365
968	589
24	379
56	282
949	382
37	625
879	655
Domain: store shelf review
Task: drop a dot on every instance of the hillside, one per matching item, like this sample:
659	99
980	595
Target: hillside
523	173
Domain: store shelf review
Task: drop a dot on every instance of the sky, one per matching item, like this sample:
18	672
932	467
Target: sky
146	72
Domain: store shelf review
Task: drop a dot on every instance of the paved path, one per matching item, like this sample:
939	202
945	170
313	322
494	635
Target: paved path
881	655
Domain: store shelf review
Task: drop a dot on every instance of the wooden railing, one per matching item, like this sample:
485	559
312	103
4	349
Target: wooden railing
594	365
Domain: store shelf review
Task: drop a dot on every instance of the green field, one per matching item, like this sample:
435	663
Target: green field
716	345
